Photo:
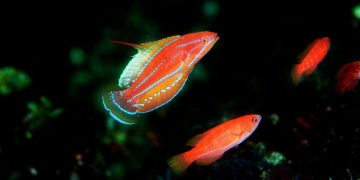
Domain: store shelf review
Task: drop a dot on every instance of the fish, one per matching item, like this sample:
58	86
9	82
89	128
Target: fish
347	77
310	58
156	74
212	144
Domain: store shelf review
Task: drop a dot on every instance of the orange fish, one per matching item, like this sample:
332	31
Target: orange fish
156	74
212	144
310	58
348	77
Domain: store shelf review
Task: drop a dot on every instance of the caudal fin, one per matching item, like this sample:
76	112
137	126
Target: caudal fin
119	109
295	75
179	163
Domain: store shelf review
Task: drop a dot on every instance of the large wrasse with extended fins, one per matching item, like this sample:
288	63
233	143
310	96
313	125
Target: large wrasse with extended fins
156	74
212	144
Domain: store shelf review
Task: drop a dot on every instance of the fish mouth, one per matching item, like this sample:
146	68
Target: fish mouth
216	38
257	124
259	117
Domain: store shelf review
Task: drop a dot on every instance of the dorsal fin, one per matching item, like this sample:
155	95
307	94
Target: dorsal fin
194	140
147	45
159	43
137	64
136	46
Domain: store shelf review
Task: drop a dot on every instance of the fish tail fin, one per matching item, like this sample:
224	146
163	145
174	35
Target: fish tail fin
295	75
179	163
119	108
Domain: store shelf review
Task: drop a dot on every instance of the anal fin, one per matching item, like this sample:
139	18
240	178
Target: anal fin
209	159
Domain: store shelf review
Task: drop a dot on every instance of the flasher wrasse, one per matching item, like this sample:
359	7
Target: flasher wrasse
211	145
156	74
348	77
310	58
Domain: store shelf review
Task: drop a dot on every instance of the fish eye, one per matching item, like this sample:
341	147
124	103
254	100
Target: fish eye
254	119
204	40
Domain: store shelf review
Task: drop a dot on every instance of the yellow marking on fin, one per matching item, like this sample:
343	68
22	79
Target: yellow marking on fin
137	64
158	43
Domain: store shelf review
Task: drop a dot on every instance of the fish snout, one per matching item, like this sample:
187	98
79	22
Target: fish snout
259	117
256	118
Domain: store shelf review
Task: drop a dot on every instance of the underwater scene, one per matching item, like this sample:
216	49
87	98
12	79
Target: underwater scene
202	89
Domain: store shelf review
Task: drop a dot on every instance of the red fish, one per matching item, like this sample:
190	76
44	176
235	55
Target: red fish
156	74
348	77
212	144
310	58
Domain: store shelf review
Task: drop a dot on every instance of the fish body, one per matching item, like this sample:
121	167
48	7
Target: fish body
212	144
156	74
348	77
310	58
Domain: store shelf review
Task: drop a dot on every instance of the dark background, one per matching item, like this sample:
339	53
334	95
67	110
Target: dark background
247	71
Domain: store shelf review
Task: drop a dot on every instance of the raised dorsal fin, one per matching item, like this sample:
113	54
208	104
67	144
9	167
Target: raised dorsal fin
210	158
194	140
146	52
159	43
147	45
136	46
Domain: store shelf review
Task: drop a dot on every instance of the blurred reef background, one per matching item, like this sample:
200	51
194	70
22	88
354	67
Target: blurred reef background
58	60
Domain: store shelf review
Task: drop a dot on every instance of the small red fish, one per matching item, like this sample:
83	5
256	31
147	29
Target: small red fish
310	58
212	144
156	74
348	77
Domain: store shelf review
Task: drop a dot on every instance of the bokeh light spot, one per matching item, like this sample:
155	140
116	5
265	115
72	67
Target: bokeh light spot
77	56
211	8
356	11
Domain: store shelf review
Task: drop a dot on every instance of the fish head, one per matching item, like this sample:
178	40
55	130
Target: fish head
196	45
247	124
